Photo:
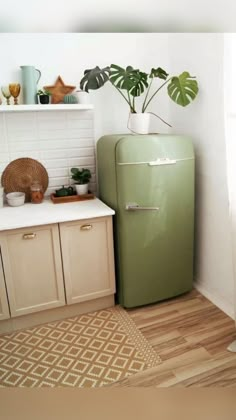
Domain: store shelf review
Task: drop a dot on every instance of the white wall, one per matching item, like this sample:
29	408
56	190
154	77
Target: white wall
68	55
230	128
202	54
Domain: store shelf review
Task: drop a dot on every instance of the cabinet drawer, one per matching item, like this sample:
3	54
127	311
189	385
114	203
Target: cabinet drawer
88	261
33	269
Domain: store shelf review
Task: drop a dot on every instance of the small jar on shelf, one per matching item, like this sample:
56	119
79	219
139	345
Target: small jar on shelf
36	193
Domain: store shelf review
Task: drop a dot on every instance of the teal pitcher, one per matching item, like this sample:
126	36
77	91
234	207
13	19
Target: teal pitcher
30	78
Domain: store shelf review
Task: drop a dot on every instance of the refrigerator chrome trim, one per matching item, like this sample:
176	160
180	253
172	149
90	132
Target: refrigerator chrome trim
163	161
158	162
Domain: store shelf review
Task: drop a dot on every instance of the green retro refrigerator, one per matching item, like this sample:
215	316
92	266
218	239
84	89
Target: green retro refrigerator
149	181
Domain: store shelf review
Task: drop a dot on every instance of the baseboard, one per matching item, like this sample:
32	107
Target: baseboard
55	314
220	302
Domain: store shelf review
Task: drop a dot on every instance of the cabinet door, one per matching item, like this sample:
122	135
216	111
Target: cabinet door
33	269
88	261
4	308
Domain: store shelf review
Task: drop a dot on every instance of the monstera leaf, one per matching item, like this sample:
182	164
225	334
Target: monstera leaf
94	78
159	72
129	79
182	89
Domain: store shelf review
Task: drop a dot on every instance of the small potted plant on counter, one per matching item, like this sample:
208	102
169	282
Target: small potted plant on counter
43	97
81	178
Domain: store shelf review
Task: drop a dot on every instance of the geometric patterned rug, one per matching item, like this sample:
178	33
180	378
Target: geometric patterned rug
91	350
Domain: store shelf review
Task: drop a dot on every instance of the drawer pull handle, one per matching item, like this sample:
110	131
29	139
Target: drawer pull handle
29	235
86	227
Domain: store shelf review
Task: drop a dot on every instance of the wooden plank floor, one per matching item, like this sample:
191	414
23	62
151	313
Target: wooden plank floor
191	336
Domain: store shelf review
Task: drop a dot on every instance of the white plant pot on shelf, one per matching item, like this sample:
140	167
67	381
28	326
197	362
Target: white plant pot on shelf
82	97
81	189
139	123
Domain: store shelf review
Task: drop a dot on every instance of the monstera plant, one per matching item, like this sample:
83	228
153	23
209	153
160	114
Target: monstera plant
132	83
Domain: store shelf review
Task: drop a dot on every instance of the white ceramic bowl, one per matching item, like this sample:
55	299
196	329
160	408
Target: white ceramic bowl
15	199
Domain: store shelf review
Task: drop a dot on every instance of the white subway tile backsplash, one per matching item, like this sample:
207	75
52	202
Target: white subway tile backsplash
29	154
15	119
55	163
53	144
53	154
82	161
75	133
3	146
59	181
24	135
93	187
4	157
83	151
76	144
52	124
2	120
53	115
59	172
16	124
59	140
3	166
67	133
84	115
3	136
80	123
85	142
21	146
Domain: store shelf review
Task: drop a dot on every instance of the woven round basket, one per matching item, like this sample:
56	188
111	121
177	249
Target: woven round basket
21	173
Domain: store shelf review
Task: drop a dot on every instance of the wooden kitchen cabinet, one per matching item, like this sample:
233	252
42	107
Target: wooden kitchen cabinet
88	260
4	308
32	268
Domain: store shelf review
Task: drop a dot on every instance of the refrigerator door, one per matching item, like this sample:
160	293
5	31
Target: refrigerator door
155	214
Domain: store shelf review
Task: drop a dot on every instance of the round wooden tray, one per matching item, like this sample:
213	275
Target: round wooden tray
21	173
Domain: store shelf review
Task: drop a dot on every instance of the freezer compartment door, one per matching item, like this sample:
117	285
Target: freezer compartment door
154	231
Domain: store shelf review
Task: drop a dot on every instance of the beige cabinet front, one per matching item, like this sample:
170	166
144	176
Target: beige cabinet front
4	309
88	261
33	270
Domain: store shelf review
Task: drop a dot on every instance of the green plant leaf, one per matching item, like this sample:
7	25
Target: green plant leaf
94	78
132	80
74	170
81	176
159	72
182	89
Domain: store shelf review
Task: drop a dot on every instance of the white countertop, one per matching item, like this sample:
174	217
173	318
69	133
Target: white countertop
47	212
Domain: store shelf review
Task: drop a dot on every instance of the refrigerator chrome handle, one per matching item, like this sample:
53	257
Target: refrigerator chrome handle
135	207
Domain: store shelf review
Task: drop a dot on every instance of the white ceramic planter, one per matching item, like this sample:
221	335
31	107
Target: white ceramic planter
82	97
139	123
81	189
